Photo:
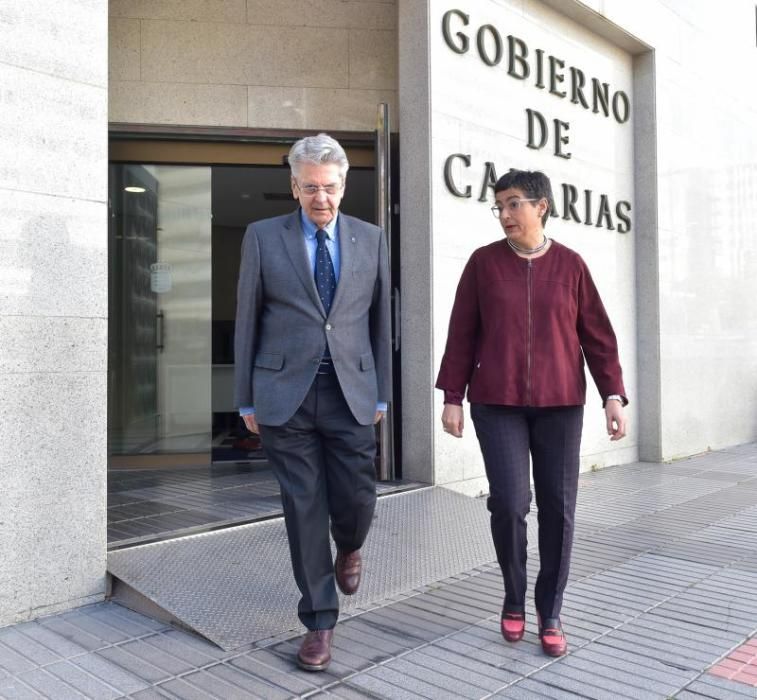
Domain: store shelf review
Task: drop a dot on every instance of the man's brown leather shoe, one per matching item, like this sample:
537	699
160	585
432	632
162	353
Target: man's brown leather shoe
347	570
315	651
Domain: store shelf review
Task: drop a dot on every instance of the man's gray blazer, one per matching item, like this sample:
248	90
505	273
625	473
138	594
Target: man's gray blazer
281	326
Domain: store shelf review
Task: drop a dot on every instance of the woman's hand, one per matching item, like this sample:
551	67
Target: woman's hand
452	419
616	420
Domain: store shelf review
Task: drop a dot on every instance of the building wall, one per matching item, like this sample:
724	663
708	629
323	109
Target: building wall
53	305
253	63
481	111
688	340
673	283
705	154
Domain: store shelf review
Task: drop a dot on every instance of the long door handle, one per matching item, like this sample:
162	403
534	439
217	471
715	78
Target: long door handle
397	317
160	329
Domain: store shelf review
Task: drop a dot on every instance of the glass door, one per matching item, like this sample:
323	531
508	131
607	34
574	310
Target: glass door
181	459
160	315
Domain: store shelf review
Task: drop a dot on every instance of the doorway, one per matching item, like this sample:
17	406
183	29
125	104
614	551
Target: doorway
180	458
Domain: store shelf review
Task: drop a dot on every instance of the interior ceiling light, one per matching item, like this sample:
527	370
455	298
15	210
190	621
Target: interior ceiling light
134	188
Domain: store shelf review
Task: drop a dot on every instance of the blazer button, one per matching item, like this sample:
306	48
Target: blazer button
328	326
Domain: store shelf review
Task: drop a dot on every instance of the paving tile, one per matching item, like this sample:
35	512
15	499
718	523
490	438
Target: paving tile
516	660
212	685
131	623
381	689
181	690
539	689
520	692
745	678
49	686
367	654
13	662
345	692
111	673
416	628
412	683
452	600
712	687
247	684
144	651
453	616
150	694
14	689
673	639
521	659
86	684
471	670
286	665
133	664
73	633
684	660
357	656
370	634
631	681
27	647
587	684
647	667
664	626
187	646
295	683
56	643
444	682
426	616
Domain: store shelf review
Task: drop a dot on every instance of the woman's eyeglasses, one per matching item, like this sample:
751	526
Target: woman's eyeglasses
512	205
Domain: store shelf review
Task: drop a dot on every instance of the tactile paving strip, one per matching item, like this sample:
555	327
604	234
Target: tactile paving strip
235	586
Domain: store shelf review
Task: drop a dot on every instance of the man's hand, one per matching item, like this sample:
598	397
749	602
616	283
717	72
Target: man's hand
252	424
616	420
378	417
452	419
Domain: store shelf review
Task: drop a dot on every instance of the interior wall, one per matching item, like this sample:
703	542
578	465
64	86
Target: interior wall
253	63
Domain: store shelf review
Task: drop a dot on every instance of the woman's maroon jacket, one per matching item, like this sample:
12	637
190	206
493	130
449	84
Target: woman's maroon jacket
520	330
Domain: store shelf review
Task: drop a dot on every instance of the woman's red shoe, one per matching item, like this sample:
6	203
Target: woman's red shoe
513	626
553	640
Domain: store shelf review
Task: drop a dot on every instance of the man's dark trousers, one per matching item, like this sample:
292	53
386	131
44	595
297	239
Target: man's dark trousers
324	462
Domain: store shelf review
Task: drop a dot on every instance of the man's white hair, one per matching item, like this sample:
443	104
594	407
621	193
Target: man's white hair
318	150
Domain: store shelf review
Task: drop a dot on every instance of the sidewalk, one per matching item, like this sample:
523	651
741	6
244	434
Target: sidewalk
662	603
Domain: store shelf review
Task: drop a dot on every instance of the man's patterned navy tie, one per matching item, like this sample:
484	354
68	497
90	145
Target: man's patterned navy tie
325	280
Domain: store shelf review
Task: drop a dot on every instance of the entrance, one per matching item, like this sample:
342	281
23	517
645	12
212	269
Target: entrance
181	459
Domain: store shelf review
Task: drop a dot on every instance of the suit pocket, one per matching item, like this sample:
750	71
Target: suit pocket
269	360
366	361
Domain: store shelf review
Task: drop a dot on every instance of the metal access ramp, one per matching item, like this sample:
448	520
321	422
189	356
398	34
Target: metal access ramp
235	586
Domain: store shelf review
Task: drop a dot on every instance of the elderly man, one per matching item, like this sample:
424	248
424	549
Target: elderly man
313	375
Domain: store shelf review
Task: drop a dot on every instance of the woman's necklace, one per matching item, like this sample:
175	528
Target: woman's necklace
528	251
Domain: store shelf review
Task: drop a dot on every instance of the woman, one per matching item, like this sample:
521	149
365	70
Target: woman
525	315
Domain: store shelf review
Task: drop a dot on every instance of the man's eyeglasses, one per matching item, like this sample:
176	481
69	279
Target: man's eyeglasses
512	205
311	190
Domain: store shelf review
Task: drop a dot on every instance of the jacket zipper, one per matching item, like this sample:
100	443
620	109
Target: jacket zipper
530	339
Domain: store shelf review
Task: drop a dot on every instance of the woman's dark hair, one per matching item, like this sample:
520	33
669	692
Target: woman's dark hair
533	183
